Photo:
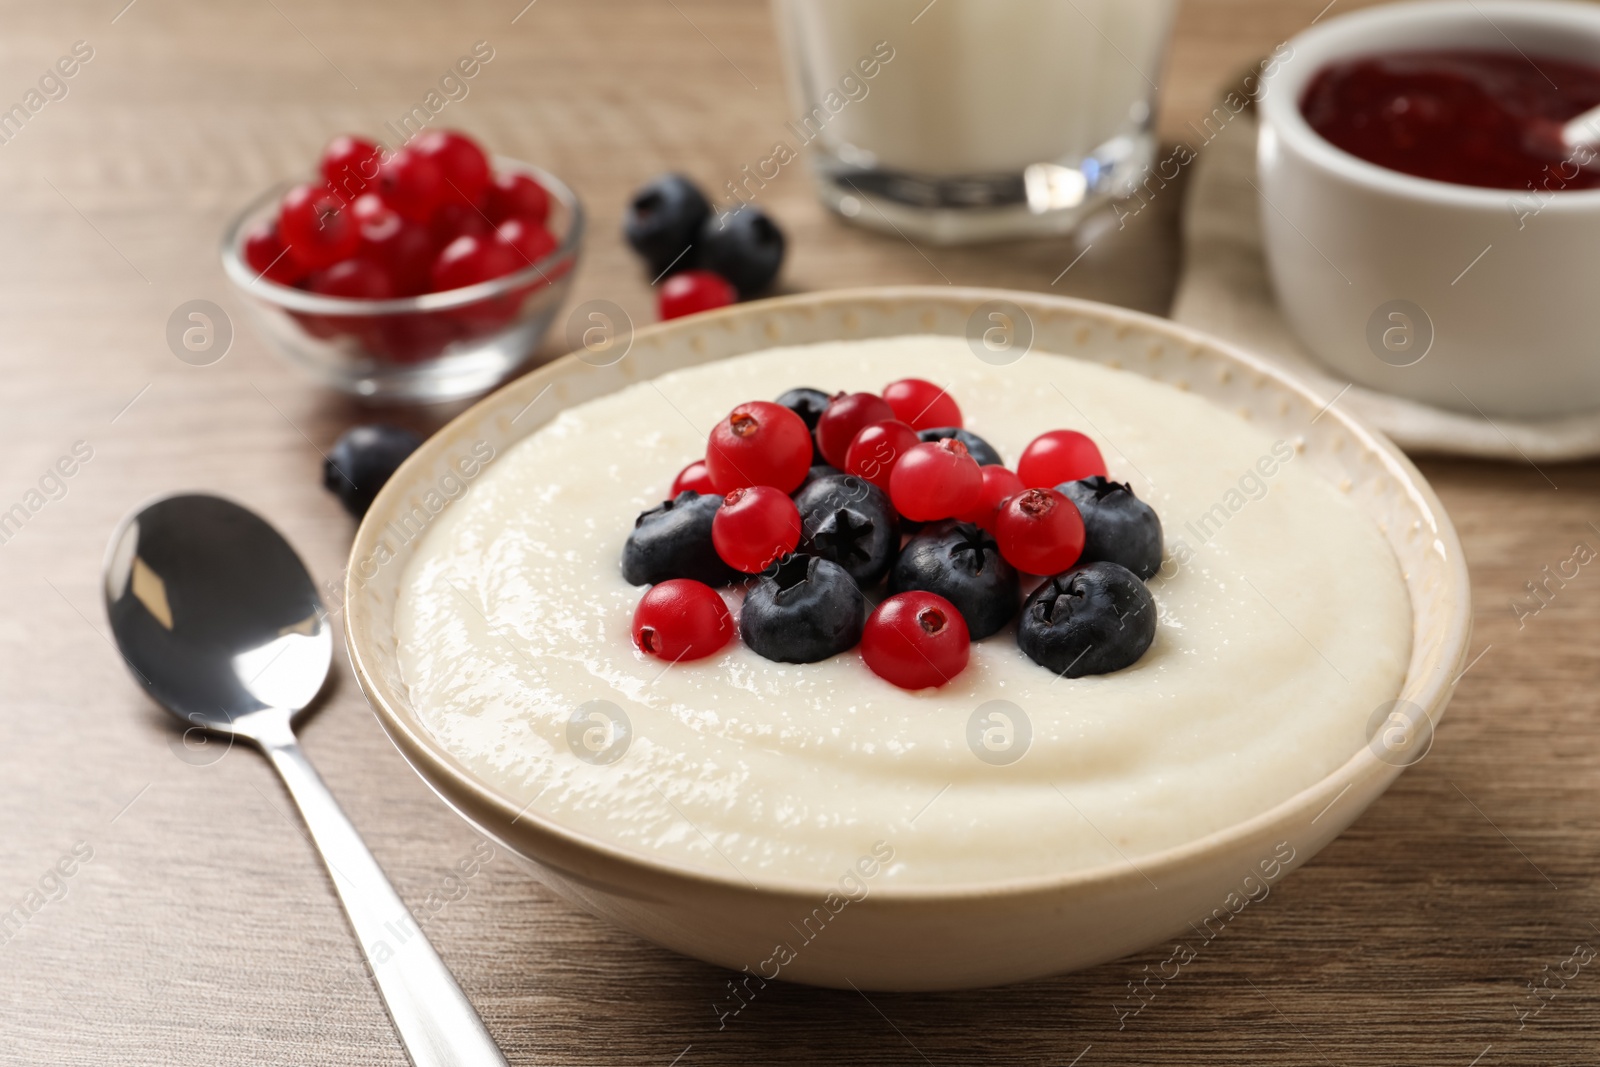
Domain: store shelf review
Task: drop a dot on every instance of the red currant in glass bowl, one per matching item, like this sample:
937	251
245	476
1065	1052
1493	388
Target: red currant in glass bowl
365	294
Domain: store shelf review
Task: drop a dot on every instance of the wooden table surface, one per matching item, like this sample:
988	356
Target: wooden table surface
1450	926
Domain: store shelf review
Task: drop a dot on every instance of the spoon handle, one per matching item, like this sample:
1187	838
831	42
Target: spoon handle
437	1024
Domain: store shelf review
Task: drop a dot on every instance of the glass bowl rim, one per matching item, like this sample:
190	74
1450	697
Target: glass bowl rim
293	299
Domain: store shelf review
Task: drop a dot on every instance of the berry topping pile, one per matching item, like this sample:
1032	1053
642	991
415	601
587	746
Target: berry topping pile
878	522
430	216
701	259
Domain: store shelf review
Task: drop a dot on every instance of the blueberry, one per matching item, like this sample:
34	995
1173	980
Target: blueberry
818	470
981	450
809	405
745	247
960	562
674	541
1118	527
803	610
1093	619
664	218
849	521
362	460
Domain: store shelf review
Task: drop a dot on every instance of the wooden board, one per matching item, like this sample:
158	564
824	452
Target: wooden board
203	930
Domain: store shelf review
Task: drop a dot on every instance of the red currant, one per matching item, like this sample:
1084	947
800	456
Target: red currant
317	227
759	443
372	212
323	326
354	279
453	219
681	619
691	291
400	247
846	415
515	196
529	240
1039	531
416	337
1059	456
936	480
462	164
470	260
411	183
693	479
755	527
916	640
264	253
350	165
922	405
998	484
876	450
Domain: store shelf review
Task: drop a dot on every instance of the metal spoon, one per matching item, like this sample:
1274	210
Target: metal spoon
219	621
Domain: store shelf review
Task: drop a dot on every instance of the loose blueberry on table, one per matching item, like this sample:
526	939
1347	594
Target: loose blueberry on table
361	461
746	248
701	260
807	502
663	221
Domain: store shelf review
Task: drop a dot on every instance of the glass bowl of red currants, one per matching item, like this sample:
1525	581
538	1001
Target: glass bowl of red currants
426	273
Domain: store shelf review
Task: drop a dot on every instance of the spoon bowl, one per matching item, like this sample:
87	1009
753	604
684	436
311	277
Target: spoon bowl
214	612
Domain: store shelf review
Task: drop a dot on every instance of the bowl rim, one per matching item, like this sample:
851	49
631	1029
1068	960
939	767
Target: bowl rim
417	744
1362	32
288	297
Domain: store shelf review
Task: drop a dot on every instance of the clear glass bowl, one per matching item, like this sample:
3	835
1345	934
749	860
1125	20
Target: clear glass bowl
419	349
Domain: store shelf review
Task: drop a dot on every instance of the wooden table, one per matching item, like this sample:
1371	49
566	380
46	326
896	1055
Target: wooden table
202	929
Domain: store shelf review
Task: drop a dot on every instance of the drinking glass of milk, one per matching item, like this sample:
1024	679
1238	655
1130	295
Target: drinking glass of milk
968	120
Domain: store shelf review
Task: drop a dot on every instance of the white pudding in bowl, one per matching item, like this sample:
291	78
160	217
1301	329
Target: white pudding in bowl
1284	625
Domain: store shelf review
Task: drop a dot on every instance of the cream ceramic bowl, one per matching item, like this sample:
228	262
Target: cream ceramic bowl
917	937
1478	300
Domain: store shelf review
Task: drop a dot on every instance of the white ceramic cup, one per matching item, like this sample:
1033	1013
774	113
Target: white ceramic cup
1467	298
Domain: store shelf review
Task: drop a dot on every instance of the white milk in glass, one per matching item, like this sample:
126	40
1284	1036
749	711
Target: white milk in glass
972	119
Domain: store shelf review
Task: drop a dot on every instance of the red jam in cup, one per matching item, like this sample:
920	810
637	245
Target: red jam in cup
1490	119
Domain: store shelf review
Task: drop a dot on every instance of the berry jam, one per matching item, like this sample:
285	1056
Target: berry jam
1490	119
